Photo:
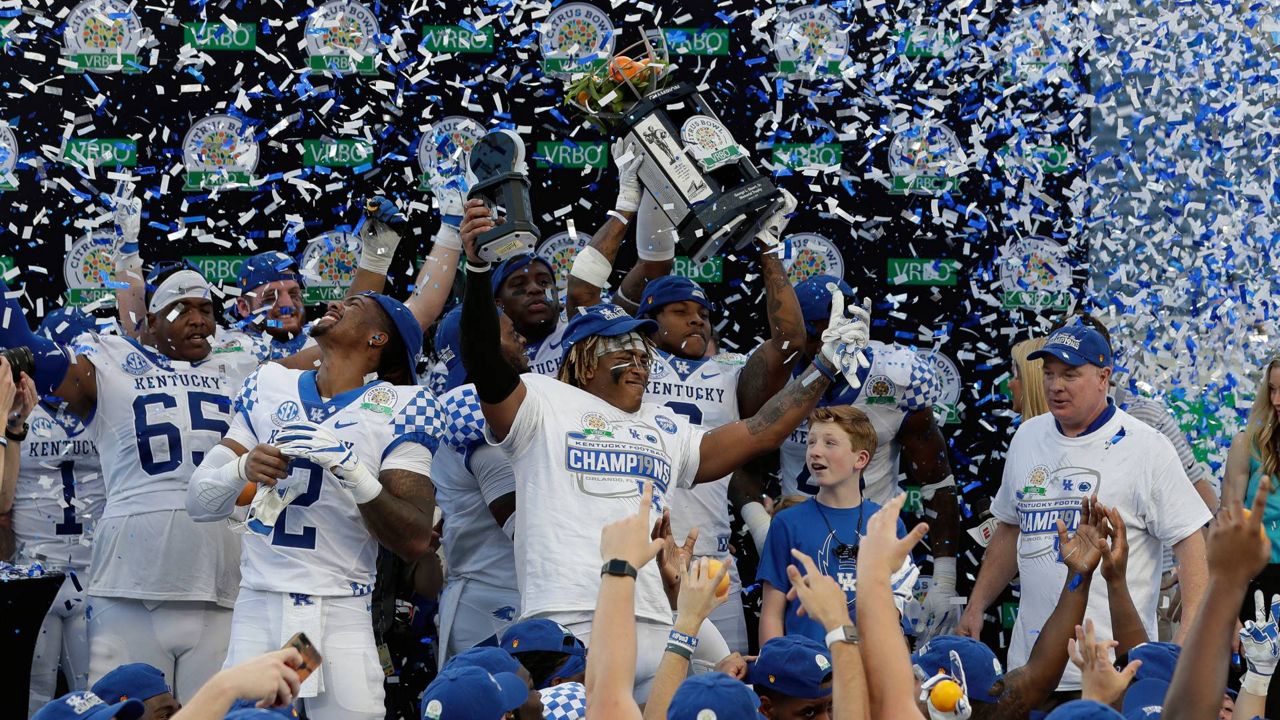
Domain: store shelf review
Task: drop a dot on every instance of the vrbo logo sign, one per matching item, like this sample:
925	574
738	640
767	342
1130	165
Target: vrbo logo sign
220	36
223	269
569	154
710	271
94	152
457	39
801	155
695	41
336	153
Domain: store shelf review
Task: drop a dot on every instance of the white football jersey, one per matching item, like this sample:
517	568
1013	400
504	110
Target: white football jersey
156	419
468	474
898	382
580	463
319	544
59	494
705	392
544	357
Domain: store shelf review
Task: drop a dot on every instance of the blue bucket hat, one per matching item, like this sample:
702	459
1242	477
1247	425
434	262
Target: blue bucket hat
513	265
815	299
64	324
605	320
793	665
138	681
670	289
981	667
267	267
1076	345
406	326
716	692
85	705
470	693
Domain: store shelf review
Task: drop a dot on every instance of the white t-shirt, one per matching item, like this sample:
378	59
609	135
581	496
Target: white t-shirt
705	392
156	418
319	544
468	474
580	464
59	494
1129	466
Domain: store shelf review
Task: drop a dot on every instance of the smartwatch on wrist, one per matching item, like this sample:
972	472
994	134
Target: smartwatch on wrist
843	634
618	567
16	436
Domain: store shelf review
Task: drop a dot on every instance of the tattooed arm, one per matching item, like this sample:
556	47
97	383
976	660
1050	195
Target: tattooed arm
726	448
400	516
770	366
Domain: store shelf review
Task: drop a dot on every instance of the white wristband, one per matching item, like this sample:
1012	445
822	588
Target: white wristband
944	571
757	520
1255	684
448	237
592	266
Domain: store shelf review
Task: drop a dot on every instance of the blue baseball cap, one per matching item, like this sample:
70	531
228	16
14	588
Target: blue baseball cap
716	692
249	710
815	299
513	265
541	635
470	693
1076	345
448	345
670	289
139	681
1083	710
406	325
1144	700
606	320
267	267
1158	660
64	324
489	658
85	705
981	667
794	665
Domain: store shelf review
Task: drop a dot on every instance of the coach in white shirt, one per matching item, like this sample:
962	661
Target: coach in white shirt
1086	446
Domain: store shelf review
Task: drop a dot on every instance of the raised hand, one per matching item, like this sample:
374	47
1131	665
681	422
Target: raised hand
700	592
23	403
673	560
1081	552
629	158
1258	639
380	234
821	597
630	538
1100	680
1115	549
846	337
477	219
882	552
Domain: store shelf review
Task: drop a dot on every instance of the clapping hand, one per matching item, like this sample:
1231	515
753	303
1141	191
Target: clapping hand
1100	679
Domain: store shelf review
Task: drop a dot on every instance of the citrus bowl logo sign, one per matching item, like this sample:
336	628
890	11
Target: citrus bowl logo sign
219	150
809	254
560	250
328	264
445	146
102	36
340	37
947	407
1035	275
8	158
709	142
87	268
925	159
810	39
571	33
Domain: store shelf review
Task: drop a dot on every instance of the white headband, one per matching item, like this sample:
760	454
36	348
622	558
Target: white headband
631	341
182	285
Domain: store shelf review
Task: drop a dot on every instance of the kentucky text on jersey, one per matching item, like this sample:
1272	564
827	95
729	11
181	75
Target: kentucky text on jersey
60	448
160	382
681	390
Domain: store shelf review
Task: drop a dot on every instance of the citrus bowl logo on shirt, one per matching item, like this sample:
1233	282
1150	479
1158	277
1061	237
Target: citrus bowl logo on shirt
8	158
947	406
809	254
135	364
87	268
1034	274
102	36
287	412
1037	480
709	142
219	150
446	146
595	424
665	424
572	33
810	39
925	159
434	710
379	399
881	391
560	250
328	264
340	37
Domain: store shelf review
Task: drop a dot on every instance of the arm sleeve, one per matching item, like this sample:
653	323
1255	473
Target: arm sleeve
486	369
409	456
214	486
492	469
776	556
1174	508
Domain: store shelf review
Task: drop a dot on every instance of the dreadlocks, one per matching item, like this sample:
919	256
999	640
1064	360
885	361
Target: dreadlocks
580	362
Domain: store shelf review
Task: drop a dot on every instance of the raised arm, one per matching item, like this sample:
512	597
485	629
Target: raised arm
381	228
498	385
924	452
1126	624
594	263
770	365
698	597
823	600
130	289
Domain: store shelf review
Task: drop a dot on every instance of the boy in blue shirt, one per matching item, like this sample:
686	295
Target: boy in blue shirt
827	528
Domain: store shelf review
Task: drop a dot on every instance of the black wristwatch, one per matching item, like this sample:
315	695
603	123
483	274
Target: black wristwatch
621	568
16	437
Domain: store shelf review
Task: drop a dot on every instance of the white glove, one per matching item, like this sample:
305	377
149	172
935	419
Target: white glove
127	218
323	448
380	235
270	501
655	235
628	157
940	616
1259	645
757	519
846	337
942	689
450	189
769	230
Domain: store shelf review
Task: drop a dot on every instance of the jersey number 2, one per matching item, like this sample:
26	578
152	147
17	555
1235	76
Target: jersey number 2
304	539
